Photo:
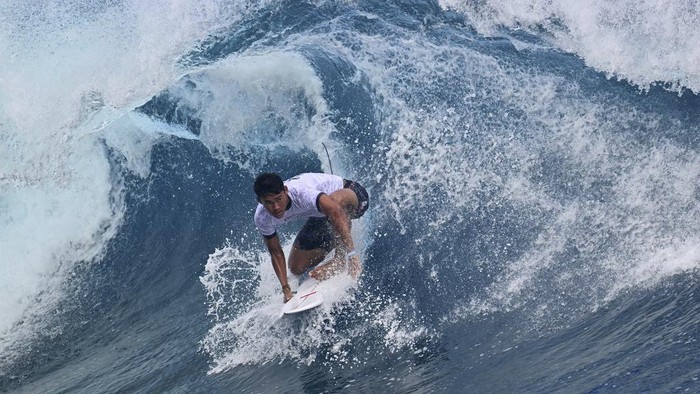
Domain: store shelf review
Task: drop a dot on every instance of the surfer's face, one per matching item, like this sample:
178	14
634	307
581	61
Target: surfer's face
276	204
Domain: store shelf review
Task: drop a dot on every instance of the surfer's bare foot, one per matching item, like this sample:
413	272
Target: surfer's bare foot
326	271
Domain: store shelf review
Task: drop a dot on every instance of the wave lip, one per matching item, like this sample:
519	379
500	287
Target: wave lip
647	43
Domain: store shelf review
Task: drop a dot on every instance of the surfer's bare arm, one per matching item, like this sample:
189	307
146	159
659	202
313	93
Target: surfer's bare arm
340	220
279	264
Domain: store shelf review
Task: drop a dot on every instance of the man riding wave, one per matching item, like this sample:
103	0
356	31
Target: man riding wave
328	203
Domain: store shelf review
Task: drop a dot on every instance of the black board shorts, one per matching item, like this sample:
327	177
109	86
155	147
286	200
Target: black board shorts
318	233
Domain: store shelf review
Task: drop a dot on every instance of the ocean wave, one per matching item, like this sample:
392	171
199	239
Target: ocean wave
648	43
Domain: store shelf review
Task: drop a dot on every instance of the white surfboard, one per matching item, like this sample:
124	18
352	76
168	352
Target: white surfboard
308	296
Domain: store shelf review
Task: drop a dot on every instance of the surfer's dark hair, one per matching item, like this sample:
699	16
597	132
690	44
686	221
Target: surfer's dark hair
268	183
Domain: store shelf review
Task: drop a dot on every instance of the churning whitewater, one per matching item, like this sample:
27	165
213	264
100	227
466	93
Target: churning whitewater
533	167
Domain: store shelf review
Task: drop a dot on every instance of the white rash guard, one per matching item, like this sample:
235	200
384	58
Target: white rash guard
304	191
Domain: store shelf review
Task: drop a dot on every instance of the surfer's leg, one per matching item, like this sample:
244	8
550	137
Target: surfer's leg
301	260
355	201
328	270
335	265
318	237
314	241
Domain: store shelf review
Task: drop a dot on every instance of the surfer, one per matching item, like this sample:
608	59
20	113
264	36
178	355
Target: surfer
328	203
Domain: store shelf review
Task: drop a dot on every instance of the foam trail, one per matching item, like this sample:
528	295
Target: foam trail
250	330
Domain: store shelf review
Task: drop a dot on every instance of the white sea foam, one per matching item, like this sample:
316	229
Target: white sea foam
245	304
69	69
256	99
645	42
611	210
639	231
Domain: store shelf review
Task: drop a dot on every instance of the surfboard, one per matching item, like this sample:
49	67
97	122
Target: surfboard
308	296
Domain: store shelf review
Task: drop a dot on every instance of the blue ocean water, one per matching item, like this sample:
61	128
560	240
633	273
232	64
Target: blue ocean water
534	172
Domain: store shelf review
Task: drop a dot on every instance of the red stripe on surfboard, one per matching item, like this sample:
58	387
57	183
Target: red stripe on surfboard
308	294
